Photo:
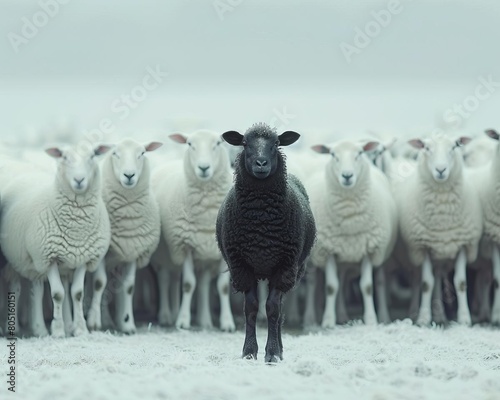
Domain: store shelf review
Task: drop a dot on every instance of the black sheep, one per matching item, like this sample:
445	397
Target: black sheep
265	229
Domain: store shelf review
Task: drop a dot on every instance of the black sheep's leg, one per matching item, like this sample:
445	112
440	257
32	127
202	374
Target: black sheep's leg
250	348
274	319
280	325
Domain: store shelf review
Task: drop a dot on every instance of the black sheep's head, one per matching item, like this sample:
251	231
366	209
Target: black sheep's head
260	148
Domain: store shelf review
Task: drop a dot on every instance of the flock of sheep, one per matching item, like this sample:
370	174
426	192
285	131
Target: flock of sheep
404	217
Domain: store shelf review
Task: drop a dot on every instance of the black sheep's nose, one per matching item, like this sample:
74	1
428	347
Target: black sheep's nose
347	177
129	177
261	162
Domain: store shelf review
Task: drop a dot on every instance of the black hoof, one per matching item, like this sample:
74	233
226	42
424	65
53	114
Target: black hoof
273	358
249	356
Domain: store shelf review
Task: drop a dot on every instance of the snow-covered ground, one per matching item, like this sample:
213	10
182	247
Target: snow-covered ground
398	361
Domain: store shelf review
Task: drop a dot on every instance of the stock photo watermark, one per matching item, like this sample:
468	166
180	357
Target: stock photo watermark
32	25
364	36
12	341
281	117
122	107
456	115
222	7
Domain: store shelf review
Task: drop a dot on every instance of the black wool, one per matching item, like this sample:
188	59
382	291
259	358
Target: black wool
265	228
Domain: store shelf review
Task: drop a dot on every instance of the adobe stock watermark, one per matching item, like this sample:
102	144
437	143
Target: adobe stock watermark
222	7
456	115
281	117
121	107
31	26
363	37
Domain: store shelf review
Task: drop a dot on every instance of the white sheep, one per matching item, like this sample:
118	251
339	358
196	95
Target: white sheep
356	220
190	193
50	224
487	182
135	227
440	218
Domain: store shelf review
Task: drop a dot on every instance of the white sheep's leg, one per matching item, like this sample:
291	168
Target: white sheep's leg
460	282
13	306
67	315
165	317
223	285
310	308
79	324
366	286
292	302
263	292
37	322
331	288
57	294
437	301
495	313
188	286
381	295
124	302
425	312
99	280
204	314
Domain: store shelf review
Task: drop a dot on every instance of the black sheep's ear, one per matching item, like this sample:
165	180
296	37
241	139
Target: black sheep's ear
232	137
288	137
493	134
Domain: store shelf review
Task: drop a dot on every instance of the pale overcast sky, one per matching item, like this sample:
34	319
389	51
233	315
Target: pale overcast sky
262	44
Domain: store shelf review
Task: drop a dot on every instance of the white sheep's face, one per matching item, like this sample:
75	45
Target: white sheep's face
128	159
77	166
348	160
440	154
204	152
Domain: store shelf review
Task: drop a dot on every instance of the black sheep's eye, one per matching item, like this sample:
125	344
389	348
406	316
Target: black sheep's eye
277	143
244	143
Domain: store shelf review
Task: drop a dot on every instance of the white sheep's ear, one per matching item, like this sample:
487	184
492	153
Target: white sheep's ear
321	149
101	149
463	140
492	134
370	146
177	137
153	146
417	143
288	137
54	152
232	137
